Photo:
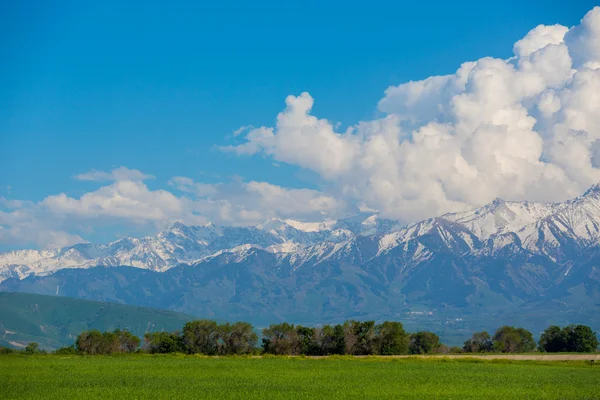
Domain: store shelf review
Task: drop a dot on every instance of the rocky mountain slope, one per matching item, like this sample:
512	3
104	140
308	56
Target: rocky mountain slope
506	258
190	244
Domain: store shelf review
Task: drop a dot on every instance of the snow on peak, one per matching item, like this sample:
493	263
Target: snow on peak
311	226
372	220
501	216
286	247
539	228
277	224
593	191
272	224
177	226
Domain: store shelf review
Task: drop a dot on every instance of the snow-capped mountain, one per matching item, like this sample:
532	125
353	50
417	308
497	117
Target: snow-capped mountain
550	229
500	258
181	244
540	228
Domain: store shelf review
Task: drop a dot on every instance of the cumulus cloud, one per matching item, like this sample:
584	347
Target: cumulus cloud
249	203
522	128
119	174
23	222
584	41
51	223
295	136
538	38
122	199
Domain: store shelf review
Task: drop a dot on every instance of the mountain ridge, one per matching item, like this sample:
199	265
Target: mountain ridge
540	228
185	244
504	259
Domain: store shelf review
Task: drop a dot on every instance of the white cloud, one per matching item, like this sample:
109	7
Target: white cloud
523	128
584	41
23	222
297	133
520	129
119	174
61	220
188	185
241	130
540	37
53	221
248	203
122	199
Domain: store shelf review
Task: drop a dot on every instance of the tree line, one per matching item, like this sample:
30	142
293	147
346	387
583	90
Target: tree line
352	337
508	339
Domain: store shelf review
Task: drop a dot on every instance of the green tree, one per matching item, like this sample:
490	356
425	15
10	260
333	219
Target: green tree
580	338
553	340
281	339
66	351
96	342
480	342
424	343
90	342
7	350
201	337
509	339
163	342
339	345
308	342
237	338
110	343
330	340
127	342
32	348
391	338
360	337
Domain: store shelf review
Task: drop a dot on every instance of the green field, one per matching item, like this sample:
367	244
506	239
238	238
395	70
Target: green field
179	377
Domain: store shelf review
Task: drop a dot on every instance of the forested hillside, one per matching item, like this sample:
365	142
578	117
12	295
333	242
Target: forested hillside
54	321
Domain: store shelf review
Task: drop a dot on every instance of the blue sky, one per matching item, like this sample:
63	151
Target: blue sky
158	87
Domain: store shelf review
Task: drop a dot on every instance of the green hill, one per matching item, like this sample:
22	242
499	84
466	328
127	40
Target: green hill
55	321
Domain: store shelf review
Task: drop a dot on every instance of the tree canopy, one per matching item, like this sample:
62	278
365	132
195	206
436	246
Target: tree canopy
353	337
572	338
509	339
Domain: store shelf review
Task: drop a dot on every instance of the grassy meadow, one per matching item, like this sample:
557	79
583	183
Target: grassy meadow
196	377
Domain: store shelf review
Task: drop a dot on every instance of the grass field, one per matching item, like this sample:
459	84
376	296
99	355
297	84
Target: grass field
180	377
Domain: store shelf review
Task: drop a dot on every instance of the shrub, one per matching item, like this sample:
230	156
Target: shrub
66	351
32	348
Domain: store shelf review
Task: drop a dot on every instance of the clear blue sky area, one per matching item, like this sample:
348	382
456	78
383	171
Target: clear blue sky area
156	85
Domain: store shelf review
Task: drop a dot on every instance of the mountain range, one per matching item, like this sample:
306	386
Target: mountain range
537	262
181	244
